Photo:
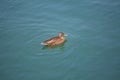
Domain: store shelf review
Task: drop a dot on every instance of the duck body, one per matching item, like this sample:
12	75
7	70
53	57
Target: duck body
55	40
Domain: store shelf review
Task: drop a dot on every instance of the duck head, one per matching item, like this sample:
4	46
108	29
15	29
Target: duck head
61	34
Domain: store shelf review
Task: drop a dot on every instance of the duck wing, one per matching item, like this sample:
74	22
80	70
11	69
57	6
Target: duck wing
51	40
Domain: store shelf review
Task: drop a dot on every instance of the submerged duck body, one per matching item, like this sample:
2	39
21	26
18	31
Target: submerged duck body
55	40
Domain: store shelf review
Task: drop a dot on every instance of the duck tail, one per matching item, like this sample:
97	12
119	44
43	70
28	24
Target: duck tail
42	43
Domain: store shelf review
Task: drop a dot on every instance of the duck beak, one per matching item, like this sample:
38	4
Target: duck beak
65	35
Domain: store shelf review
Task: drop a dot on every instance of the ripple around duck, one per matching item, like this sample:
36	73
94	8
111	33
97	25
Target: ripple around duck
34	39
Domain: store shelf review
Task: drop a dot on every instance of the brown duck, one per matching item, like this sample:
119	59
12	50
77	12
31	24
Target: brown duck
55	40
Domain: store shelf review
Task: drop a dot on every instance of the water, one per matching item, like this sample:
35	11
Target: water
92	49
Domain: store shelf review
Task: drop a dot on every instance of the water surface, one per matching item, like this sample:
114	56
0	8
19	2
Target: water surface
92	49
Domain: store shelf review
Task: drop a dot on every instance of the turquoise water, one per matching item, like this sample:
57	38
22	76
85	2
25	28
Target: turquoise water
92	49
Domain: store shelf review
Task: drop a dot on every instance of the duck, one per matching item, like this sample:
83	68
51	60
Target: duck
56	40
